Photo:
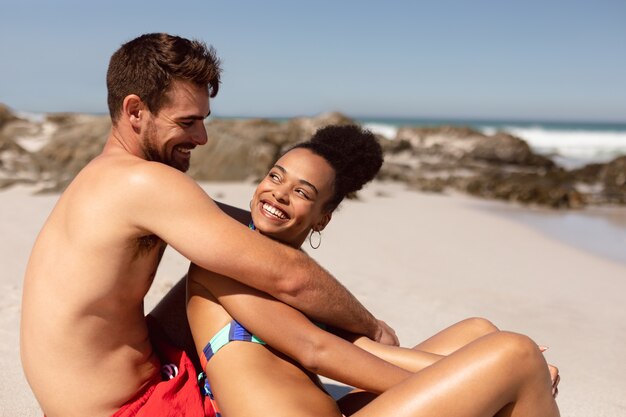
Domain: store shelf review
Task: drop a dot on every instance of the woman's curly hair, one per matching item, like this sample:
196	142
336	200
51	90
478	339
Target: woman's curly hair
354	154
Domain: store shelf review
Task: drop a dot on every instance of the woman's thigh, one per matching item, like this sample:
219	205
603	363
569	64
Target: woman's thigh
248	379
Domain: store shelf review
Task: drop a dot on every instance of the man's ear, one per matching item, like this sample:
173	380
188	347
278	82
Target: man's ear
321	224
133	110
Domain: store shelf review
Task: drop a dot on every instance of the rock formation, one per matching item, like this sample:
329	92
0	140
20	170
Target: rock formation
433	159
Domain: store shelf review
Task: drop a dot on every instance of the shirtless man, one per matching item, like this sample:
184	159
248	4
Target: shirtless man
85	343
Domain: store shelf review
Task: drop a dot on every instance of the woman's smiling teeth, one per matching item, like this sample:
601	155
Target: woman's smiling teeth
268	208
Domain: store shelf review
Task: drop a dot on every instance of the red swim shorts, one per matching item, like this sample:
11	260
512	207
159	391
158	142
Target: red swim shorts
179	396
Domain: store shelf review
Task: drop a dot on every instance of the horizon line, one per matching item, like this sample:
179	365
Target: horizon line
383	117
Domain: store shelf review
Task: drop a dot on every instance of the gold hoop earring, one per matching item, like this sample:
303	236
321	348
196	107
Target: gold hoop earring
319	242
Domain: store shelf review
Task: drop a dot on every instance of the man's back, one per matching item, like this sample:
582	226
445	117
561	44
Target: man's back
83	295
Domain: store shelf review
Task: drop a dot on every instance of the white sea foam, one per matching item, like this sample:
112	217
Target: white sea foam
386	130
571	147
30	116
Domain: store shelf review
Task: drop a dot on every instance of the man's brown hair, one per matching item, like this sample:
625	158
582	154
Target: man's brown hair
147	65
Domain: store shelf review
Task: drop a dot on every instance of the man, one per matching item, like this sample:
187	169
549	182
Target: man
85	343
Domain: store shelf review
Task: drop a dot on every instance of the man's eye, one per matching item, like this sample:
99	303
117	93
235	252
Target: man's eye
186	124
303	194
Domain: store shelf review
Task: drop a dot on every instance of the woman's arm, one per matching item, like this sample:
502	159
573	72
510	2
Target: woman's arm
412	360
292	333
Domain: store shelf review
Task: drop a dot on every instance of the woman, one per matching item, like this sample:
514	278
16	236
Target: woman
470	369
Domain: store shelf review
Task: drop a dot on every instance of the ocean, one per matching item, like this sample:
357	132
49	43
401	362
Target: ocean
569	144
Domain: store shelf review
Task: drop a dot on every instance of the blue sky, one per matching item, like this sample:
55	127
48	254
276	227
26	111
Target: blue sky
546	60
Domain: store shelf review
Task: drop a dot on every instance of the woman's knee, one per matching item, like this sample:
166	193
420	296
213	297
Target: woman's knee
518	349
478	326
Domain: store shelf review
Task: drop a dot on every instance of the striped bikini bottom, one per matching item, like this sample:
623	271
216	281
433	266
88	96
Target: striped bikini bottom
232	332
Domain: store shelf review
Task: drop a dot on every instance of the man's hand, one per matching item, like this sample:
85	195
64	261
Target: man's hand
386	335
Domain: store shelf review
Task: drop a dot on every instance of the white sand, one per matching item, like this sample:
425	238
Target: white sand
420	262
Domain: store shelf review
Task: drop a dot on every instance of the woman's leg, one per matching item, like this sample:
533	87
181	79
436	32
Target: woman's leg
464	332
501	374
422	355
456	336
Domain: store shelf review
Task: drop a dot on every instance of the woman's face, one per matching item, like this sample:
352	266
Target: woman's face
290	200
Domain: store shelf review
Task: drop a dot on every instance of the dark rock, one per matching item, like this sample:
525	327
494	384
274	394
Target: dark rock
237	150
430	185
62	118
302	128
16	164
613	177
588	174
396	146
245	149
499	166
76	142
6	115
432	159
553	190
505	149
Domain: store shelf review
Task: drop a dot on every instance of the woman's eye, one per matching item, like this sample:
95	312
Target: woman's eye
303	194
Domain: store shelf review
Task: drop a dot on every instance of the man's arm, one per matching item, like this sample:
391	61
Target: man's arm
290	332
171	205
241	215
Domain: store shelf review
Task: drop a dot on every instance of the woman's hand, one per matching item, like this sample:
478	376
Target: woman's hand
554	375
556	378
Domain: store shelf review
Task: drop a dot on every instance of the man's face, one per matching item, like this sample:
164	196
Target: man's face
169	136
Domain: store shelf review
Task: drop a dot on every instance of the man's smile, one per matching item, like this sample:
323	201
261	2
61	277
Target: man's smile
184	149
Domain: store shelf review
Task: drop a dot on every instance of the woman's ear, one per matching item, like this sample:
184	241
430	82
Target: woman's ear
133	110
321	224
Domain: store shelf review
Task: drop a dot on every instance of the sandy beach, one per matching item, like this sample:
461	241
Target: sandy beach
420	262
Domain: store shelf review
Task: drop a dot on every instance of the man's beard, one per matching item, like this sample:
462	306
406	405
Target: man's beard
151	150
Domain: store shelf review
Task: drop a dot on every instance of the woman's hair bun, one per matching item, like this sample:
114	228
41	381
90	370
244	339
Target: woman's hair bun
353	152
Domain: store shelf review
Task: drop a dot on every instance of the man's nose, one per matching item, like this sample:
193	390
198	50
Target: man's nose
199	135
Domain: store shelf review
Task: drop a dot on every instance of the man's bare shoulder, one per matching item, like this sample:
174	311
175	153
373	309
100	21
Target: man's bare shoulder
130	178
128	193
129	170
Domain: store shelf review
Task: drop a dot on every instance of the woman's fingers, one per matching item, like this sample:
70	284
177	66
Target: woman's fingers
555	383
554	374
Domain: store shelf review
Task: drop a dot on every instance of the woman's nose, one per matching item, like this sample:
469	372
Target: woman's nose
281	194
